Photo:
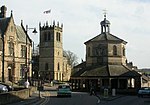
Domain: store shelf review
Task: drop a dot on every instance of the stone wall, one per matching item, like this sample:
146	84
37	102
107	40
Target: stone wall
15	96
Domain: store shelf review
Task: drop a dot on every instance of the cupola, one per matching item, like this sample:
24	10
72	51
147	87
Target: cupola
105	25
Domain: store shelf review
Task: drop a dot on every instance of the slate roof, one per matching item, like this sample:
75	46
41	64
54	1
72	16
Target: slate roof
106	37
21	35
106	70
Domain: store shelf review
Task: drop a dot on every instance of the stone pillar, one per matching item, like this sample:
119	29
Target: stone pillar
79	84
118	84
75	84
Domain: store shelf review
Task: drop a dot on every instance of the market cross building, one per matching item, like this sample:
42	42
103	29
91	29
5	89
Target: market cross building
106	64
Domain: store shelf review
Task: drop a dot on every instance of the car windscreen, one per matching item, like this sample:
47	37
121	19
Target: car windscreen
64	87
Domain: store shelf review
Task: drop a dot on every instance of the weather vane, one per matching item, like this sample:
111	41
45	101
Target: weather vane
105	12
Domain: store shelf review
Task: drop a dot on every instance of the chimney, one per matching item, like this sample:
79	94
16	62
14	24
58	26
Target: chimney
3	12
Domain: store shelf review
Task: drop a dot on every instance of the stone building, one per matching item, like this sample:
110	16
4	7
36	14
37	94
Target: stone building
106	64
52	62
14	39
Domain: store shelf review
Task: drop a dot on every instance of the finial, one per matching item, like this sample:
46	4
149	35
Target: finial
11	13
61	25
58	24
40	24
46	23
54	22
21	22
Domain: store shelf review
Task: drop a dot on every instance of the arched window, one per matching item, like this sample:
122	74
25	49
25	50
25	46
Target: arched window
45	36
58	67
49	36
59	37
46	66
123	51
89	51
114	50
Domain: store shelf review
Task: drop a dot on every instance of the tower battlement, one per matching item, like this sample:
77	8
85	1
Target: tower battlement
46	26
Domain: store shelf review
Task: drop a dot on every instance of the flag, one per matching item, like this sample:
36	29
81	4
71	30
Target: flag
48	11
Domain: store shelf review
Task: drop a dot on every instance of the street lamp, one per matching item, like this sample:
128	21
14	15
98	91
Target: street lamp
3	52
26	62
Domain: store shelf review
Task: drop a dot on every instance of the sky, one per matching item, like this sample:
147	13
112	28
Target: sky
81	21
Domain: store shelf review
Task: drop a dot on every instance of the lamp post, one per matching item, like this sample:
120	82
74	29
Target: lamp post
3	52
26	61
39	85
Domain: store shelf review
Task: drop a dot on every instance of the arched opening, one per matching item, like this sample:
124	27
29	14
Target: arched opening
114	50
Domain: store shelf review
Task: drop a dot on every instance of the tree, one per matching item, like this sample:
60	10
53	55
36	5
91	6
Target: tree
71	57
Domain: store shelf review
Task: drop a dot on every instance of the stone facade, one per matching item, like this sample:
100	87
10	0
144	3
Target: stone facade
52	63
106	64
14	48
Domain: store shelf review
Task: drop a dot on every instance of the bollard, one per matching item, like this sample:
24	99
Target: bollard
105	93
113	92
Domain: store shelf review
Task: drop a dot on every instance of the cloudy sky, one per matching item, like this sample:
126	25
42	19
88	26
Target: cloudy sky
81	20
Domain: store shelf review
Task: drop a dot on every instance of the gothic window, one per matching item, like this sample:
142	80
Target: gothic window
45	36
46	66
11	48
49	36
114	50
123	51
89	51
57	36
23	51
58	67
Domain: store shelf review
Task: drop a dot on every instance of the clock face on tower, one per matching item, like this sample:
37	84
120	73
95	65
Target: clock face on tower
100	50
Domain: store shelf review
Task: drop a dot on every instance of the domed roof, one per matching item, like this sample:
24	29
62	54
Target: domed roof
104	22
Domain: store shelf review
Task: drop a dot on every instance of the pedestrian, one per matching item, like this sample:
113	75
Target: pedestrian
93	91
26	84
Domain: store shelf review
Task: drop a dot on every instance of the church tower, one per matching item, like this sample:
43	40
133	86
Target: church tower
51	51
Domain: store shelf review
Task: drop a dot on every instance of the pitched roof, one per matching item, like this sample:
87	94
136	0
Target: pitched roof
21	34
106	37
3	24
106	70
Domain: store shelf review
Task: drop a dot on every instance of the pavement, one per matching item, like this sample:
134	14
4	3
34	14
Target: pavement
35	99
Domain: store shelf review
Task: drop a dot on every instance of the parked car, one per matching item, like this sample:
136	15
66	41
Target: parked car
9	87
144	91
64	90
55	82
3	88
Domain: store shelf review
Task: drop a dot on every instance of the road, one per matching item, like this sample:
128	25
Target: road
128	100
82	98
77	98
